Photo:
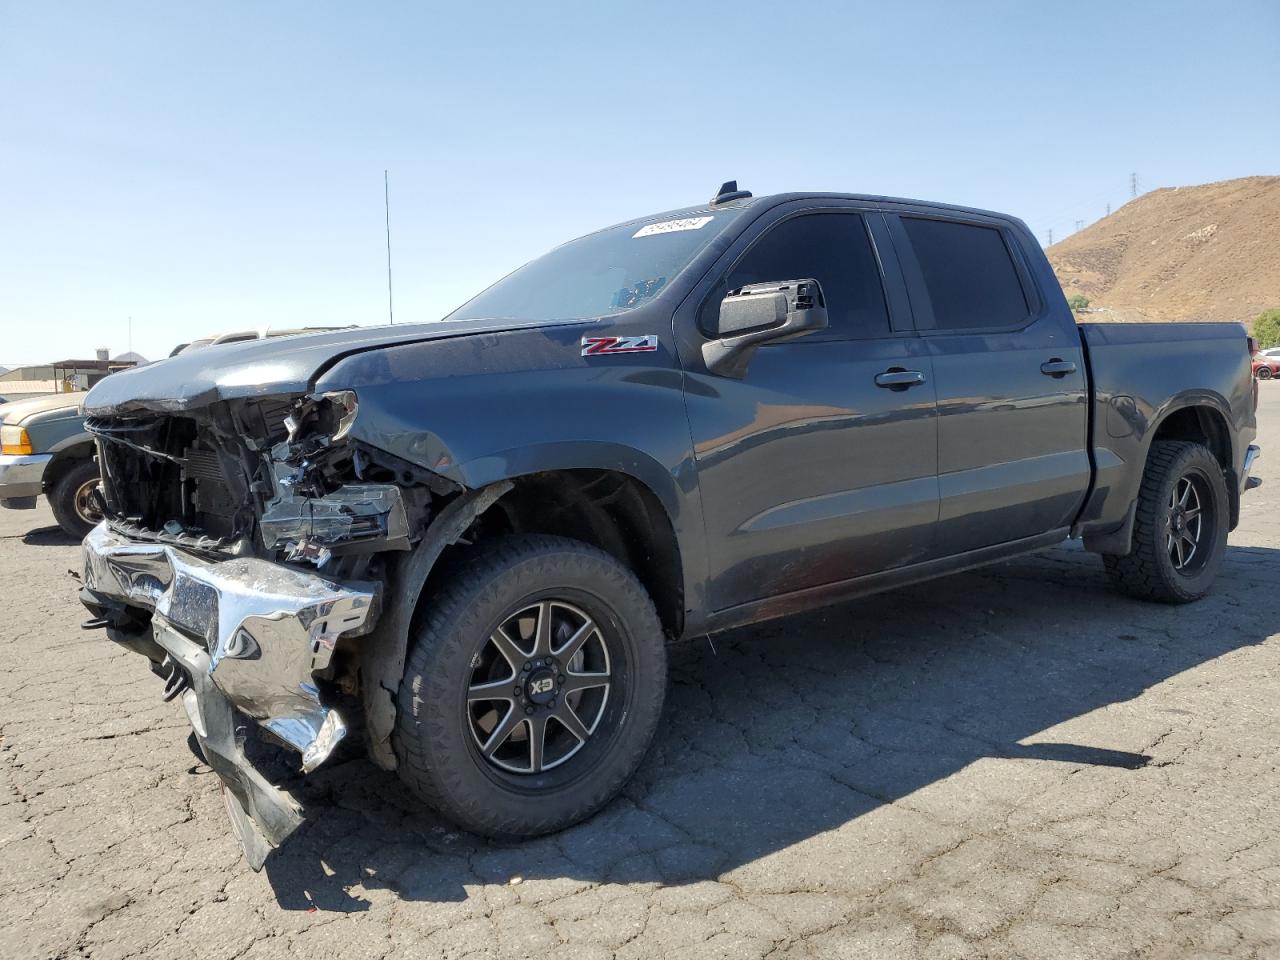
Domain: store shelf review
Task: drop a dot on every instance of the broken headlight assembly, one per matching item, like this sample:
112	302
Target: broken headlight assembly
320	507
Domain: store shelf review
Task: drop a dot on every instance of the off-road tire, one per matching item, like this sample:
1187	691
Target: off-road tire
437	752
62	498
1148	571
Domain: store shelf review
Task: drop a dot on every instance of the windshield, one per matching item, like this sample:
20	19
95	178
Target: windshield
606	272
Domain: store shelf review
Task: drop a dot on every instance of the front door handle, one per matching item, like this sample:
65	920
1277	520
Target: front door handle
1057	368
899	379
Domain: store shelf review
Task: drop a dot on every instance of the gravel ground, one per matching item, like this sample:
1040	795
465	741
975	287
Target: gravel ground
1009	763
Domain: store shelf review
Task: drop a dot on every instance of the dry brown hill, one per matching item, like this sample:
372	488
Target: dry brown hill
1210	252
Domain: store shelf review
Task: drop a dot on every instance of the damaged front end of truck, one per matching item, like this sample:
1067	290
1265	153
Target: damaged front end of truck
257	555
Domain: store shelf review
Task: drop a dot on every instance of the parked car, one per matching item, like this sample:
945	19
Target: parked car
477	536
1264	366
46	450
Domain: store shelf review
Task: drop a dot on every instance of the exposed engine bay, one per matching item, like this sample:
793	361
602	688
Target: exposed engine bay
271	478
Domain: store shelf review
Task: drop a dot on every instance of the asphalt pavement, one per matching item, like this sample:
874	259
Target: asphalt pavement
1010	763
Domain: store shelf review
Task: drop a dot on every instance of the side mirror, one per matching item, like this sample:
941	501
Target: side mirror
762	313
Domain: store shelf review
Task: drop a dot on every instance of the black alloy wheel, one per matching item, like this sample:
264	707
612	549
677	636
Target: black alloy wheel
539	687
1186	522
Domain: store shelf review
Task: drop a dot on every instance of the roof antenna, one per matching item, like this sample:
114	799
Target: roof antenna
386	197
729	191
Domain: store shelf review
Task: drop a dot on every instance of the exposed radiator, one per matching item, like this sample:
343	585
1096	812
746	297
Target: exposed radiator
202	465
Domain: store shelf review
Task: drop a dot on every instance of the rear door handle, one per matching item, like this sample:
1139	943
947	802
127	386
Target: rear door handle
1057	368
899	379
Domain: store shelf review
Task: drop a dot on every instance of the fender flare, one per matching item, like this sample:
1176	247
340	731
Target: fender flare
1120	540
1183	401
1205	400
552	455
72	442
674	489
383	652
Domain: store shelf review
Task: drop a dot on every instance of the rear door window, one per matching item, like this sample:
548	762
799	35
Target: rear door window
969	273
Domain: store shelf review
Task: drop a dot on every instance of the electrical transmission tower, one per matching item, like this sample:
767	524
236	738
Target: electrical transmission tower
1051	236
1133	185
1079	225
1108	208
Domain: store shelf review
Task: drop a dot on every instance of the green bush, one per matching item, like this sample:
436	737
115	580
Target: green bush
1266	328
1078	302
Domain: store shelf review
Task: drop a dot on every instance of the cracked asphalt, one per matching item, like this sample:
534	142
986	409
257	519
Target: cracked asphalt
1010	763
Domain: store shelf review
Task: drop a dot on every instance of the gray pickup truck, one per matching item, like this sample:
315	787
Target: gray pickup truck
470	540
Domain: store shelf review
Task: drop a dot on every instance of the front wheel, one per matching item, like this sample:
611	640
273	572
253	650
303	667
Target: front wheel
1264	373
1180	529
532	688
72	500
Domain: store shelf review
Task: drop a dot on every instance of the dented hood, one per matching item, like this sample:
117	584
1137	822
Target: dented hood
259	368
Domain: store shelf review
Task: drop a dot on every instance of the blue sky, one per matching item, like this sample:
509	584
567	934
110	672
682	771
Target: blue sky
210	167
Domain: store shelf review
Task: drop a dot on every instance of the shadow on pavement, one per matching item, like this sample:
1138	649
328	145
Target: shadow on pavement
794	728
49	537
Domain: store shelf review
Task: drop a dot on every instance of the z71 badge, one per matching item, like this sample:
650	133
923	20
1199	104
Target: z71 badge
594	346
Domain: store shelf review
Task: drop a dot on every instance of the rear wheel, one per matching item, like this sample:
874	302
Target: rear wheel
532	689
1264	373
72	500
1180	529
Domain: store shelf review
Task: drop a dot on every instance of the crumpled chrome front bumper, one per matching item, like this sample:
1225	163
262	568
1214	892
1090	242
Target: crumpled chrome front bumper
246	635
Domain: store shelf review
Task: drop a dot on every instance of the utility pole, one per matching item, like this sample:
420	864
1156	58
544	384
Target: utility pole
1051	236
386	196
1133	185
131	334
1108	208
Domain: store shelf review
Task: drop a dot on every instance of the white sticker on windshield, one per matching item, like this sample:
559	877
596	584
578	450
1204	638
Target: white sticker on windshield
671	226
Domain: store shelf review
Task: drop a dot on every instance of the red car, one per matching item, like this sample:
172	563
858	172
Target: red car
1265	367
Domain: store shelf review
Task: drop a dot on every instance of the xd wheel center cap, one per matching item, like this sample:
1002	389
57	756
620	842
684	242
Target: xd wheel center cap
541	686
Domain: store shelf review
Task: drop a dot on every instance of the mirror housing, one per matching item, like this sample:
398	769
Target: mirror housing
762	313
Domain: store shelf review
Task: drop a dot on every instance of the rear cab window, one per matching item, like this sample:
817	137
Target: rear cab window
969	273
